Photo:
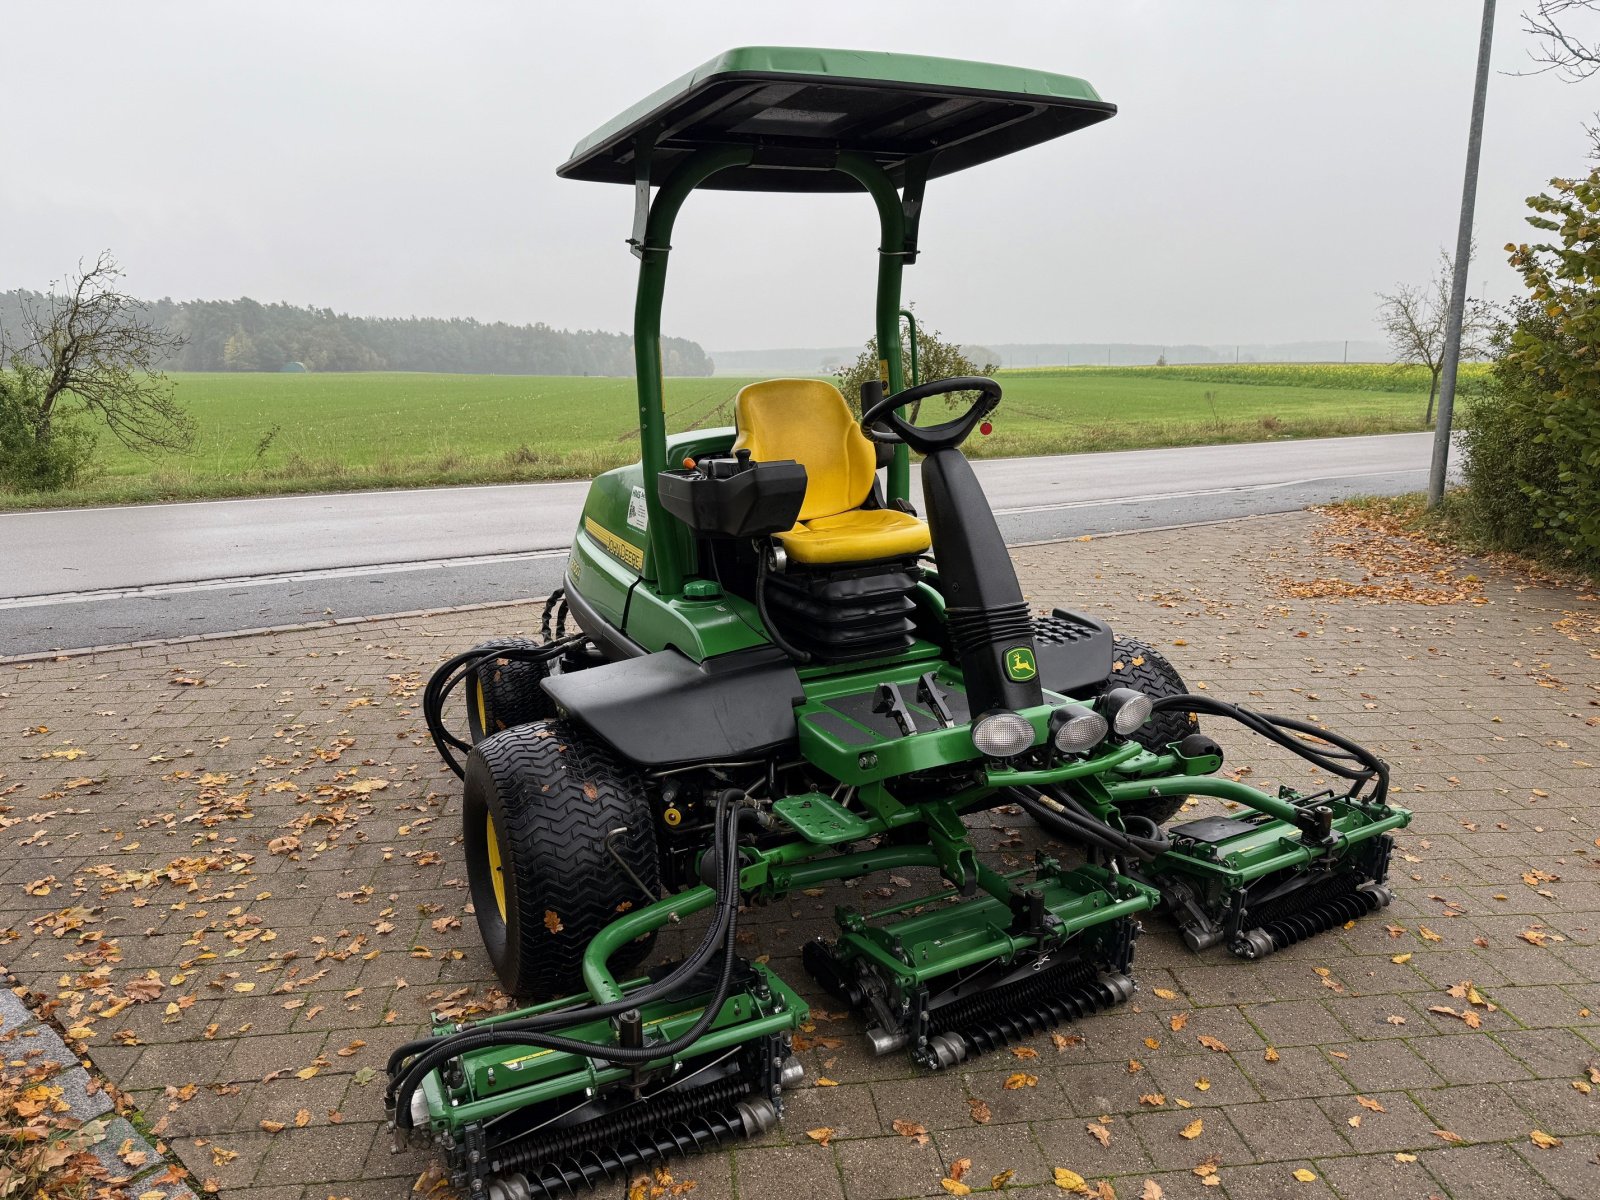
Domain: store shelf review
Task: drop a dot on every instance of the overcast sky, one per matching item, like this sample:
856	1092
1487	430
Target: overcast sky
1271	166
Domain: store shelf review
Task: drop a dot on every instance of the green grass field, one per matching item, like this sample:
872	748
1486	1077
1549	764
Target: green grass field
273	433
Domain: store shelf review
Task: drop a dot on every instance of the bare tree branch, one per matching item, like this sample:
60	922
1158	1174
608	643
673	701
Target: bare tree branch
1413	318
100	356
1561	50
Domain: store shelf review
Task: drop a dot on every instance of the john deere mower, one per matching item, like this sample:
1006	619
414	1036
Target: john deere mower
767	671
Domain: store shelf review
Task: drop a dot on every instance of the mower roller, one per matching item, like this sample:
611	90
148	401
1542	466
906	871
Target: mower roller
766	672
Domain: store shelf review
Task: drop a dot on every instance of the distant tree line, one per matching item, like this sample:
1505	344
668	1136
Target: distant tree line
245	335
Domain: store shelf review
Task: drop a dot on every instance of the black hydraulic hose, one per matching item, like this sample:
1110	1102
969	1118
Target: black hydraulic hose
448	676
1071	831
1275	729
778	640
1066	819
519	1033
1158	841
727	895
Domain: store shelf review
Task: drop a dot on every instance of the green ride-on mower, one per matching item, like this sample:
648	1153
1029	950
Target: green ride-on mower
781	675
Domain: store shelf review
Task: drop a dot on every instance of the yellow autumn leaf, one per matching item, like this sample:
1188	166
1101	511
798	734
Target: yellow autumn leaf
1305	1176
1070	1181
1193	1129
1401	959
1000	1180
955	1187
1543	1140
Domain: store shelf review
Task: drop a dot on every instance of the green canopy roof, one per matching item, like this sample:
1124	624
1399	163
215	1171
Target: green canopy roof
800	108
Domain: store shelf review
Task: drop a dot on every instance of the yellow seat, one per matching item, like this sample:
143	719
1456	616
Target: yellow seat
807	420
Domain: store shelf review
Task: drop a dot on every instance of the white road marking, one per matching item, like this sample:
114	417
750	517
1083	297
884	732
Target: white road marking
245	581
248	581
1222	491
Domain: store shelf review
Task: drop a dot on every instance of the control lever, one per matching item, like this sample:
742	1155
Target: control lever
889	700
931	698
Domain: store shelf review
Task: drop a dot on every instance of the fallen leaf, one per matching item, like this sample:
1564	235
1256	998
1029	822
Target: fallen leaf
1305	1176
1153	1099
1271	1054
1070	1181
1455	1139
1401	959
1405	1158
552	922
980	1110
1543	1140
1177	1022
1371	1105
1193	1129
955	1187
273	1126
1000	1180
1020	1080
302	1118
1151	1191
1211	1043
824	1081
909	1129
820	1135
1099	1132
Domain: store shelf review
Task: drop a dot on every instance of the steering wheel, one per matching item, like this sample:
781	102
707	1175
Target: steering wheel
893	429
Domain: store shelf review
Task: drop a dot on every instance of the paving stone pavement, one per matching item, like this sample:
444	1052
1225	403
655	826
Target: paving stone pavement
233	864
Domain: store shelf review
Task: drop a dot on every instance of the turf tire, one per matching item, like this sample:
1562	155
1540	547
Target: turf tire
505	692
553	795
1149	671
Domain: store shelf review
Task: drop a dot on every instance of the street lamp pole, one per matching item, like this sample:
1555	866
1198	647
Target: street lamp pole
1440	466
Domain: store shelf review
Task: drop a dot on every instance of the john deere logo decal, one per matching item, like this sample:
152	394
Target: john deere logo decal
1020	665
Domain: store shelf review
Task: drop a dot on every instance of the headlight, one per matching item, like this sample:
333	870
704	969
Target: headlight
1072	731
1126	709
1002	734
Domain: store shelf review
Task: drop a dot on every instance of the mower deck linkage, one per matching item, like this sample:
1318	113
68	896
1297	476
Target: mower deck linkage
782	677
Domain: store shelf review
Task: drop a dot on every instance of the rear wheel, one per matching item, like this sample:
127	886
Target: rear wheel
1136	665
505	692
540	801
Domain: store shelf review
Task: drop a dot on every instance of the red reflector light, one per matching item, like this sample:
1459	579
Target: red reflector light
986	429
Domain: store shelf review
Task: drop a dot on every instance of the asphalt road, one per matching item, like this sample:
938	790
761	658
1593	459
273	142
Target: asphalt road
83	577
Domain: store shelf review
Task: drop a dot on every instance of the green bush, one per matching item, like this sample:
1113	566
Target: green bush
29	463
1532	436
936	359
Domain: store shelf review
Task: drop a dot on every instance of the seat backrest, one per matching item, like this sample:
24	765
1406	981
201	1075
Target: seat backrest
807	420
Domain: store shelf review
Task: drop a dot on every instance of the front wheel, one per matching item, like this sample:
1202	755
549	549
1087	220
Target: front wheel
1136	665
541	800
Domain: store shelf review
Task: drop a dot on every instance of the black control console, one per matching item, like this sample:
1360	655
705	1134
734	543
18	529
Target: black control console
729	495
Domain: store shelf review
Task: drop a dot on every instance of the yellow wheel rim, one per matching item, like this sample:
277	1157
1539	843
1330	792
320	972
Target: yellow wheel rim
483	708
497	872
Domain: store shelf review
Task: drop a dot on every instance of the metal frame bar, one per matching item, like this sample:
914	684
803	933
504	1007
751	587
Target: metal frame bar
897	218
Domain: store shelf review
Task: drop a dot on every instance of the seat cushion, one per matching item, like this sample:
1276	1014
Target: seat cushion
860	535
807	420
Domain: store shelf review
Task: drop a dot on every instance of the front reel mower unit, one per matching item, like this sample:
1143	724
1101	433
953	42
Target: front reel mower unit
961	977
517	1123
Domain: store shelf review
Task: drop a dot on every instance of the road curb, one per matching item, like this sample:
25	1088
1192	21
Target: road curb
332	622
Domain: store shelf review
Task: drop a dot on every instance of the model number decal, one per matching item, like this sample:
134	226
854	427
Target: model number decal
638	514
